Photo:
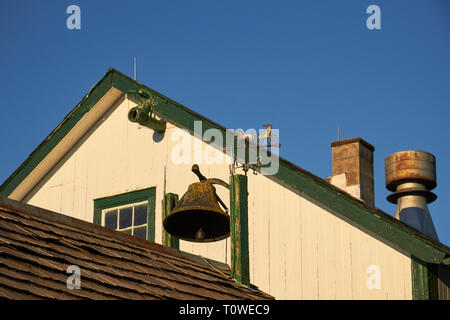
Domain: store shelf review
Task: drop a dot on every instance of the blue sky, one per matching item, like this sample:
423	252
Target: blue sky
307	67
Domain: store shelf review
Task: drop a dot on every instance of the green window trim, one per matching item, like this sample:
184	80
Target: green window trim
131	197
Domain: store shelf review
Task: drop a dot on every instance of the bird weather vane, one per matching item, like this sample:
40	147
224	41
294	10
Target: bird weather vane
248	137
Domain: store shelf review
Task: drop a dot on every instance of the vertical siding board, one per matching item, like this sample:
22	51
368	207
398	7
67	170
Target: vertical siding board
370	256
156	176
251	227
407	278
300	248
357	263
394	290
80	184
256	214
277	256
323	269
262	238
67	186
67	198
326	252
309	251
136	145
343	272
292	226
388	273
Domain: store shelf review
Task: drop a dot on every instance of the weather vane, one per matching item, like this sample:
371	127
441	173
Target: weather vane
248	137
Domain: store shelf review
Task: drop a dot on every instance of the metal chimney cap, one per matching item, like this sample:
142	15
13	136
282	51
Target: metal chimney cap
411	165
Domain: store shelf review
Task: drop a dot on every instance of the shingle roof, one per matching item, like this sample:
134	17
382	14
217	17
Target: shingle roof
37	246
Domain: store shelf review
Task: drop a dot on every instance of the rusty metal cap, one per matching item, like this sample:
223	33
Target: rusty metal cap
405	166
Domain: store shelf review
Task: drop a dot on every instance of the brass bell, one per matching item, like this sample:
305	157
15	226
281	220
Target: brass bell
197	217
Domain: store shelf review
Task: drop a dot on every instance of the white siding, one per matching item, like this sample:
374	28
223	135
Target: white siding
298	250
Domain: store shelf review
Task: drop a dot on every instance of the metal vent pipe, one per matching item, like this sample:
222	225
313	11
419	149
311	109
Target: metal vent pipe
411	175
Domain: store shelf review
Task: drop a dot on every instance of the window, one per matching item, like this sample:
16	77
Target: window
132	213
129	219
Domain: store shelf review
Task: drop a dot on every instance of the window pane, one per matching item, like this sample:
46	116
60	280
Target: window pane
140	215
141	232
111	219
127	231
125	218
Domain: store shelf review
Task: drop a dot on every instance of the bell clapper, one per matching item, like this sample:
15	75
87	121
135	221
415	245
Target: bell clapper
199	235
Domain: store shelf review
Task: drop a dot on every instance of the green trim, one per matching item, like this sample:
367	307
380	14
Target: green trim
240	269
419	278
169	202
94	95
289	175
148	194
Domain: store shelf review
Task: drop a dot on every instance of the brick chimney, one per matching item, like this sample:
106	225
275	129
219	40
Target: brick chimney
352	168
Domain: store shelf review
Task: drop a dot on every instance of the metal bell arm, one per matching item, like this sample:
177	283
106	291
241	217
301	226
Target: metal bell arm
195	169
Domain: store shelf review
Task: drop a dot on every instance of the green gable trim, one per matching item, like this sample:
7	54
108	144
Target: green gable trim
424	277
131	197
57	135
289	175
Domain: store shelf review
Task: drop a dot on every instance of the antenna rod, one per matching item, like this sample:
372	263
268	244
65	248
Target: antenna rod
134	68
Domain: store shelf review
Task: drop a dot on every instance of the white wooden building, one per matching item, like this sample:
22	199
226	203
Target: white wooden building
307	238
